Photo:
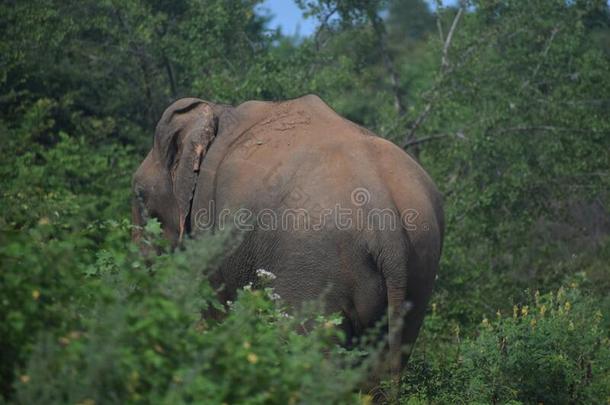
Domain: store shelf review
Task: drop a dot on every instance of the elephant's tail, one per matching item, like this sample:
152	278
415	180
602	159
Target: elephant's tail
393	267
409	277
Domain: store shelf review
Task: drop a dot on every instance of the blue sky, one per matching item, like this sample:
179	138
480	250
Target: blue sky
289	17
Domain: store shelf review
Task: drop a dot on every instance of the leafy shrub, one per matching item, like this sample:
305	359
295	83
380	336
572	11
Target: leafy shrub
62	204
552	350
143	341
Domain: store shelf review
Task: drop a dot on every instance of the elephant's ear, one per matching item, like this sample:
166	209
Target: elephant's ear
182	137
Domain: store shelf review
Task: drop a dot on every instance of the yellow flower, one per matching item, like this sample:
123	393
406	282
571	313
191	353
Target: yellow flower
366	400
247	345
74	334
524	310
36	294
44	221
200	326
568	306
542	310
25	378
134	376
252	358
533	322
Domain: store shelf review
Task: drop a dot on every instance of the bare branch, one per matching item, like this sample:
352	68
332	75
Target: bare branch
425	139
322	27
250	43
439	27
170	76
317	36
444	70
545	128
542	59
456	19
388	63
418	121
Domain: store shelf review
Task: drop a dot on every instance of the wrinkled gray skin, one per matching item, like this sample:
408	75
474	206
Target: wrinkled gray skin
300	155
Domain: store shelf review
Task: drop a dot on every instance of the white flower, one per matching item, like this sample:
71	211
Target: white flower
273	296
265	275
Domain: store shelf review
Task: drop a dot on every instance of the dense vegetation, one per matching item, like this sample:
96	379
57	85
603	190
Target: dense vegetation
504	102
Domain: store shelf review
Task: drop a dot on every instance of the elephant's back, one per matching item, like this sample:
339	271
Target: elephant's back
301	155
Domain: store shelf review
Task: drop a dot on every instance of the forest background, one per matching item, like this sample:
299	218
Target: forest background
506	104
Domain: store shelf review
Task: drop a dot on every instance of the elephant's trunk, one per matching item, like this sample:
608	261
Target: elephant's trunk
139	219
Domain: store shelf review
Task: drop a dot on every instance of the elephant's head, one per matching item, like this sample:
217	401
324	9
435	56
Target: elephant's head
165	182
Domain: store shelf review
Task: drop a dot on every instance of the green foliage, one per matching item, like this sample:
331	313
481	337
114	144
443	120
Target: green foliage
522	110
514	129
553	349
60	205
143	340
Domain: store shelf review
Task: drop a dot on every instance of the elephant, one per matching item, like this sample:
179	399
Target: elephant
333	210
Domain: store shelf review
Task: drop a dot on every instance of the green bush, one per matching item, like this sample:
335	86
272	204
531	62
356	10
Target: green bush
62	204
144	341
552	350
